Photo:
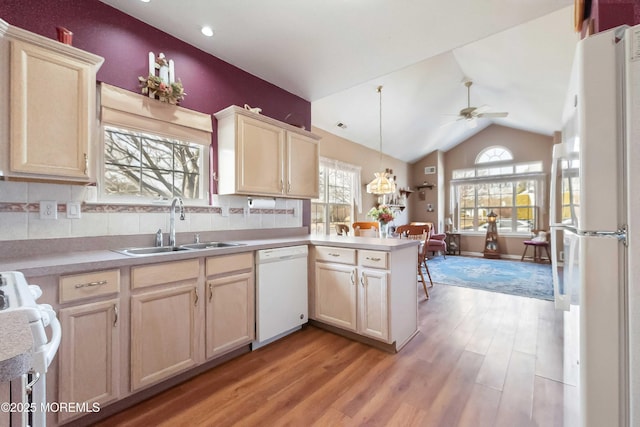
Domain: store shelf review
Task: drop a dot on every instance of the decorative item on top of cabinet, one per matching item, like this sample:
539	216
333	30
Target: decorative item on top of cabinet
261	156
161	82
51	122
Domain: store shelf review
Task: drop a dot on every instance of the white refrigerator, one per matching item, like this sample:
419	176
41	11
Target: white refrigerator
595	203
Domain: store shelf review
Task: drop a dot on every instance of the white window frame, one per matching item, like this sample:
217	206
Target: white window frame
202	161
356	194
131	111
503	171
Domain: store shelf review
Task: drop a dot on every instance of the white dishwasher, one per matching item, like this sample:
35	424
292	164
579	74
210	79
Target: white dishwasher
281	293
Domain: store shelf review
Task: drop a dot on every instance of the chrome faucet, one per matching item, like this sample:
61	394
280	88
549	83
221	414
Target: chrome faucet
172	219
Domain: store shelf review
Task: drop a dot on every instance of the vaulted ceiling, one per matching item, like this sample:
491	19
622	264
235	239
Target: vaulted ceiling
335	53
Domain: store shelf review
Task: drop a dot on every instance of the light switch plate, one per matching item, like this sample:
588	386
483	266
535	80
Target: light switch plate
48	209
74	210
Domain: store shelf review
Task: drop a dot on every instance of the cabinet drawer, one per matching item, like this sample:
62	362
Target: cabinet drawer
332	254
169	272
88	285
375	259
228	263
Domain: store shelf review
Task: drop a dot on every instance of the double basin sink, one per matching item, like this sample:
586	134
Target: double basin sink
154	250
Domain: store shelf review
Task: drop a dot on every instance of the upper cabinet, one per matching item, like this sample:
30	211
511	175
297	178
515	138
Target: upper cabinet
50	110
261	156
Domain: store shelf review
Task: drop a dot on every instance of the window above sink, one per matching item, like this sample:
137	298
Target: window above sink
151	150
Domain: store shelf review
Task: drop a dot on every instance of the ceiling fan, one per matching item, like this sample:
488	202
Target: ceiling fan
471	113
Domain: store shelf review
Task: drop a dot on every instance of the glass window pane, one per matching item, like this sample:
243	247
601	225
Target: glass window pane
121	180
146	165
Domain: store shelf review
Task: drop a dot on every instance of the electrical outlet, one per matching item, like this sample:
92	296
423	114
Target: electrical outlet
48	209
224	210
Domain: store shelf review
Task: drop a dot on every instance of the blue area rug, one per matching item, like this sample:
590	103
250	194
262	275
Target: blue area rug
509	277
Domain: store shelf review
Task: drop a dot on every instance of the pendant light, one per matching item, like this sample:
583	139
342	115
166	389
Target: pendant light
382	183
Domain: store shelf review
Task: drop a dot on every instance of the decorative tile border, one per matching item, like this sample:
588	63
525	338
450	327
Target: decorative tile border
107	208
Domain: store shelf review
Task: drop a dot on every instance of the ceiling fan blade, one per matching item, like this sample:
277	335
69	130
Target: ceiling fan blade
503	114
472	123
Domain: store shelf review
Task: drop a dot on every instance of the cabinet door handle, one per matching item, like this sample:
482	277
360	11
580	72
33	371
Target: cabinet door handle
282	186
362	279
115	314
210	291
289	190
197	297
86	164
374	258
353	282
91	284
333	254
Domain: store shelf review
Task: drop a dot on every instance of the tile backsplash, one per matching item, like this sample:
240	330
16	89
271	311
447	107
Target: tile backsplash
20	214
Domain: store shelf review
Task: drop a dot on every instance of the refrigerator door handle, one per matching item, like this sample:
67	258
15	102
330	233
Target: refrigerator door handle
620	234
561	300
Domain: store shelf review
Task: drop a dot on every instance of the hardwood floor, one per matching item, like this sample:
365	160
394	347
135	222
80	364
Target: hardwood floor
480	359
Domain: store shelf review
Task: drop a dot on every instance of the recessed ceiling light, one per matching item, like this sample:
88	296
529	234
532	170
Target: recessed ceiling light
145	1
207	31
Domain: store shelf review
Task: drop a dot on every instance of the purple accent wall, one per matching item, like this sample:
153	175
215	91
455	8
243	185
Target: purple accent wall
612	13
210	83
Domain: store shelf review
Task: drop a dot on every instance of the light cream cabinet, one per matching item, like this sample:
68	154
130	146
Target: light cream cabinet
230	305
258	155
52	120
166	322
89	367
373	303
368	292
336	295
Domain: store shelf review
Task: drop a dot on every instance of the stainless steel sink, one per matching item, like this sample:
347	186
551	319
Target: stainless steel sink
211	245
151	250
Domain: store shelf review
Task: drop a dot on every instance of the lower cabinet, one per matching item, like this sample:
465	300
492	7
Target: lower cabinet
373	304
369	292
89	354
165	327
230	306
352	297
336	295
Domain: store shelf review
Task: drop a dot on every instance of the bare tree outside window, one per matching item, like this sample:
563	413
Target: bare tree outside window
138	164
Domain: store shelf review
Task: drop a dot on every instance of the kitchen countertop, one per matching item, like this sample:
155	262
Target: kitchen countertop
16	339
75	262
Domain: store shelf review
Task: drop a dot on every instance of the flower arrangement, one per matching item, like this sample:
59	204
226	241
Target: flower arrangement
382	213
172	93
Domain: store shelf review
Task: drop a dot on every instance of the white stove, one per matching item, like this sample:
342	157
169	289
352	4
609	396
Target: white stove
30	390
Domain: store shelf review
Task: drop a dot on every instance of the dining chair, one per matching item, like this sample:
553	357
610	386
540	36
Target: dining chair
366	229
541	241
419	232
437	241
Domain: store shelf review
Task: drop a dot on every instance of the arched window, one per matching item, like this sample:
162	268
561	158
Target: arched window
513	191
494	154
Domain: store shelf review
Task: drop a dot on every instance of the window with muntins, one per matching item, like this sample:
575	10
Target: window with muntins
339	184
152	150
513	191
139	164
